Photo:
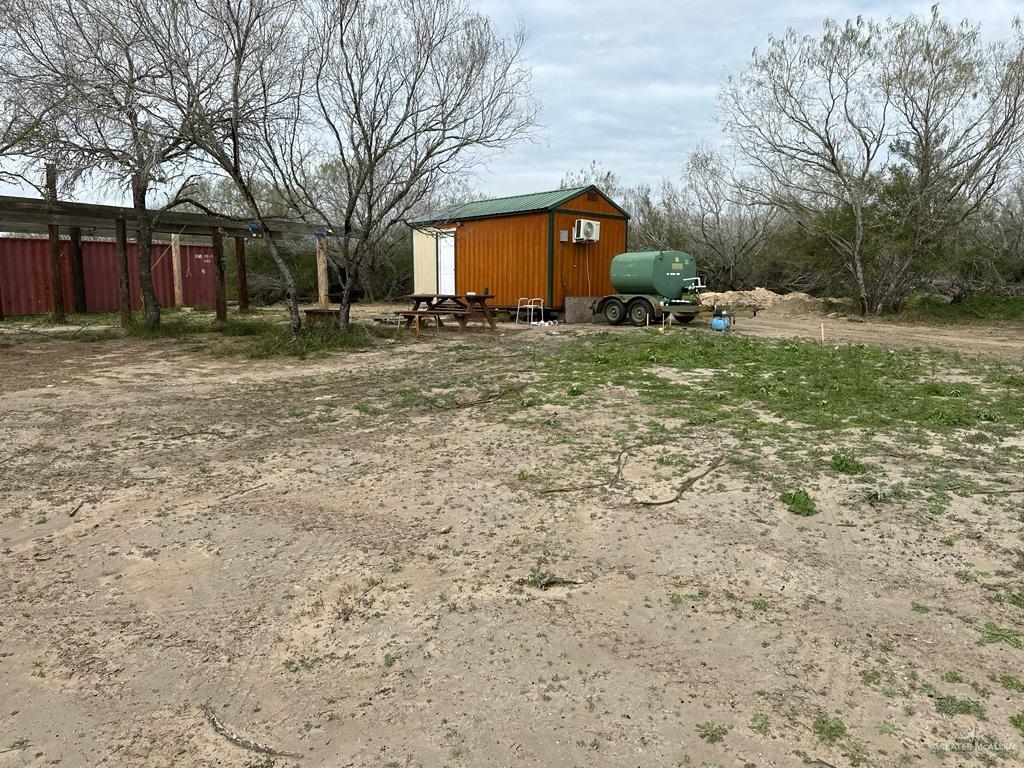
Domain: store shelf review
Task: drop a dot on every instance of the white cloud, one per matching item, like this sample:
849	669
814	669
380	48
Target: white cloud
633	85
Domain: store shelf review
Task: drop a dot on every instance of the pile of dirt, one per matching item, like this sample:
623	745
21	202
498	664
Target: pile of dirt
760	299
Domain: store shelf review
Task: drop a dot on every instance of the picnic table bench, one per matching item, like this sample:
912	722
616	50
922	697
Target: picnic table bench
434	306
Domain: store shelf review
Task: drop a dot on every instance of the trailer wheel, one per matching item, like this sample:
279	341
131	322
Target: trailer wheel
684	319
614	311
639	311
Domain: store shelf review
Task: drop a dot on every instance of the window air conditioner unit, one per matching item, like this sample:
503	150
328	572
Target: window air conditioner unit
586	231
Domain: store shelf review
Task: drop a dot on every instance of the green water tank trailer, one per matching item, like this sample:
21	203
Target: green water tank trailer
650	284
667	274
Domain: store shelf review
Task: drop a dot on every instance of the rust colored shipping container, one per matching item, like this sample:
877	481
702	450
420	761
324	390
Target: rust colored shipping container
25	275
197	276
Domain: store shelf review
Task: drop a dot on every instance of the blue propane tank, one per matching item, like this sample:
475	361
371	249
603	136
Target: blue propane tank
720	323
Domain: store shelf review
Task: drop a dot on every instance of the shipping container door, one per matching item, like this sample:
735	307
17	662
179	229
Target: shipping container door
446	263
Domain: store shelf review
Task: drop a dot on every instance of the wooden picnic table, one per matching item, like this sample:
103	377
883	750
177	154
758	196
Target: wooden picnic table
462	306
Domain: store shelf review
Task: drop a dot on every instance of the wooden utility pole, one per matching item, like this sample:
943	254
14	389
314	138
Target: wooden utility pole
56	268
322	280
56	275
124	296
78	270
179	292
218	271
241	277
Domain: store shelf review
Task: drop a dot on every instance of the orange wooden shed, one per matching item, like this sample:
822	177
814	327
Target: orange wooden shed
526	246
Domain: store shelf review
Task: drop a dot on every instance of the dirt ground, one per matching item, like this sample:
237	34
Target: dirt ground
1005	340
1002	340
205	556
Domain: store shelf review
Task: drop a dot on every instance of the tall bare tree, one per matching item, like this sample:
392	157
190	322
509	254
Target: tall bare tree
881	139
810	115
726	226
350	114
408	94
235	79
83	76
958	122
19	128
603	178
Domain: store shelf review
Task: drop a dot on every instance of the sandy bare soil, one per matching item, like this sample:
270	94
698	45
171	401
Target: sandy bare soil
1004	340
343	559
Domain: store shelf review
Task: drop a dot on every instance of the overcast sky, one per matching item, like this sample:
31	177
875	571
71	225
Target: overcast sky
633	83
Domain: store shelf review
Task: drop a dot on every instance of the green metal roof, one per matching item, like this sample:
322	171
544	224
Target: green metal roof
506	206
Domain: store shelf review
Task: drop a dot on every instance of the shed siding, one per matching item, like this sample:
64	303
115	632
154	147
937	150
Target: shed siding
581	203
581	269
506	255
424	261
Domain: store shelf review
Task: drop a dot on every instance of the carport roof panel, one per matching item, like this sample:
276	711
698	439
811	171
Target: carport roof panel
503	206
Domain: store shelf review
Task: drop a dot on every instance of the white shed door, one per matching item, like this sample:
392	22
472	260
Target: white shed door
446	263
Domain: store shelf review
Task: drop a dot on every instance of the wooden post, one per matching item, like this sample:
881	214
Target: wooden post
241	277
56	267
179	293
322	280
218	271
1	302
124	296
56	275
78	270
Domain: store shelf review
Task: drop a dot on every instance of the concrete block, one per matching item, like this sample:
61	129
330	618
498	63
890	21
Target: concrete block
580	309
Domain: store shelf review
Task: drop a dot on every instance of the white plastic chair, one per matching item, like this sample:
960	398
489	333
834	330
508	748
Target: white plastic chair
528	307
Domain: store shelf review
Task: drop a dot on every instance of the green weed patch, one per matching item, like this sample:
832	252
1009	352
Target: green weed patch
799	503
846	464
829	729
824	387
953	705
